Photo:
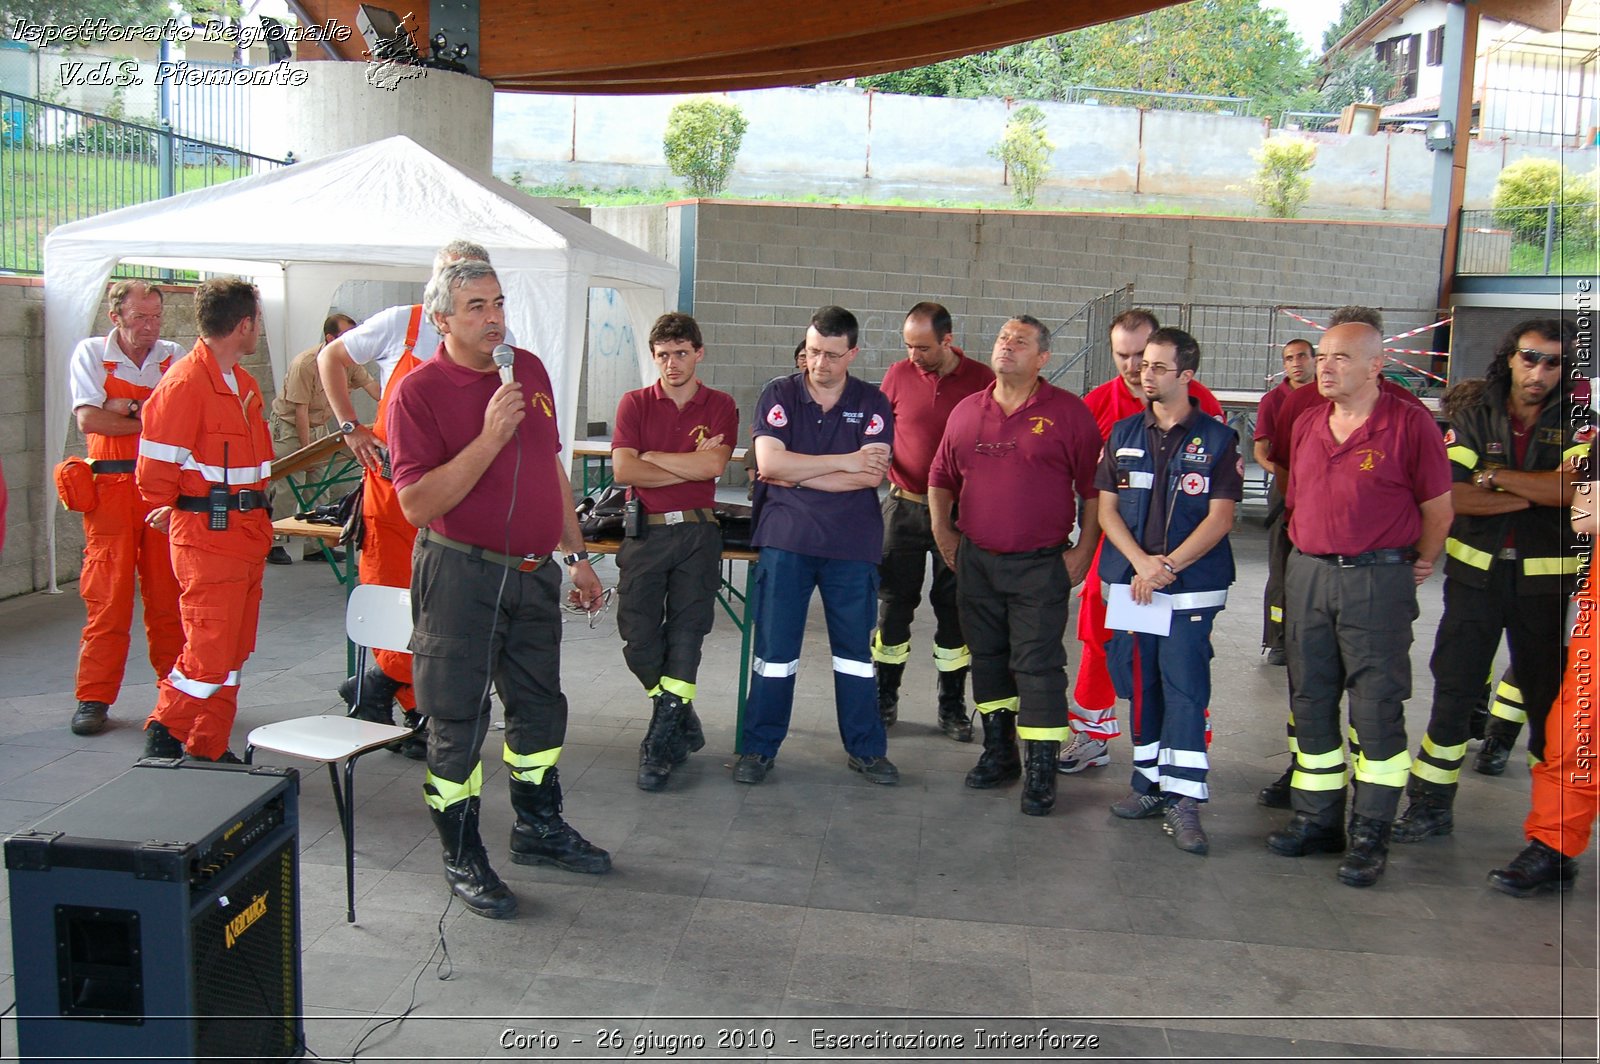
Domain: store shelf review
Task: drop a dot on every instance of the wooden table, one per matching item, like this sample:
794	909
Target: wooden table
734	597
342	468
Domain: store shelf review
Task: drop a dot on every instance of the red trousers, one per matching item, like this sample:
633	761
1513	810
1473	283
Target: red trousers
1566	793
1093	709
386	559
118	547
220	602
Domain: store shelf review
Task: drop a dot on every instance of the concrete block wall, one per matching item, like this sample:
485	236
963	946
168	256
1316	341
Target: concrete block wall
25	559
761	269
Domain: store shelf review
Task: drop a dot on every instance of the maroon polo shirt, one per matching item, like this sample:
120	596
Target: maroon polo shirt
1303	399
517	506
1018	479
1363	494
649	420
1271	403
922	404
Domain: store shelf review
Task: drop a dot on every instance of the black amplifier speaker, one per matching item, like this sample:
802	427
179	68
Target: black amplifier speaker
158	916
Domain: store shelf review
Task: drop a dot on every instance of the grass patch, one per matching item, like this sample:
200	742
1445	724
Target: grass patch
41	188
1566	257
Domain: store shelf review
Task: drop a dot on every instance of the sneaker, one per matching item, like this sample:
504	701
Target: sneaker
1136	806
876	769
279	556
1083	752
1183	824
752	768
90	718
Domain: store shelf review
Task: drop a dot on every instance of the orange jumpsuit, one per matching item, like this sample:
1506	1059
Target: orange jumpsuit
386	549
1566	793
198	433
117	545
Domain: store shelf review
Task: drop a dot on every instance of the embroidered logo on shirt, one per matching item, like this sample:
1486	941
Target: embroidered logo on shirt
542	401
1370	457
700	433
1192	483
776	417
1039	424
1495	447
874	426
1449	437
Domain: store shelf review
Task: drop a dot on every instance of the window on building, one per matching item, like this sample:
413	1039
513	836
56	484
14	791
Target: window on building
1436	46
1399	55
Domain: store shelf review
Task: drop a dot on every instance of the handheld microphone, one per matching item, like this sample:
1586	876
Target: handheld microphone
503	359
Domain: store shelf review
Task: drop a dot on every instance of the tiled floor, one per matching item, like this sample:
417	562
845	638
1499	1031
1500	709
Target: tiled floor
817	905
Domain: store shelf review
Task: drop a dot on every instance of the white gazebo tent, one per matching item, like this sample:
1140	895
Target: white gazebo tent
377	212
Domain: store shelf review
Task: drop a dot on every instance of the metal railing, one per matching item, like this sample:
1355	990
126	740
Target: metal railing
59	164
1157	101
1328	121
1558	238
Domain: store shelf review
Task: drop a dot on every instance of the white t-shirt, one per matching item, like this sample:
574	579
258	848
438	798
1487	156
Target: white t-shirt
86	372
381	340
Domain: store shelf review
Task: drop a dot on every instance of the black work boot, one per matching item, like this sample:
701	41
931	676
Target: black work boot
1305	834
1275	795
1495	752
1039	783
90	718
691	735
540	836
377	696
1428	814
661	741
1368	853
466	862
999	763
1537	868
159	742
954	720
415	745
889	692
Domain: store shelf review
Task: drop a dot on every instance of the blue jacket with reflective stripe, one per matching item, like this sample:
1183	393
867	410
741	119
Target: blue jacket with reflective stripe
1188	494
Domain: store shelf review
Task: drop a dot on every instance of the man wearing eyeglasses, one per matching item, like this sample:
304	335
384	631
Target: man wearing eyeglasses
1017	460
924	387
111	377
1512	563
1169	482
671	443
823	441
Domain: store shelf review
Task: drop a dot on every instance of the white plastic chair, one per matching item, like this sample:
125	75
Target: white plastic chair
375	616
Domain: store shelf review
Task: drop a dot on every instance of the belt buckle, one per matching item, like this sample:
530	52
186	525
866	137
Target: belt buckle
1348	561
674	517
530	562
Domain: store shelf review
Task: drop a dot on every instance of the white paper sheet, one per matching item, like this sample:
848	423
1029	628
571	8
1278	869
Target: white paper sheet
1125	615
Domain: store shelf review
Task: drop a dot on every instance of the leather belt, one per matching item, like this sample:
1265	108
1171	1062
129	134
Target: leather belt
682	517
1392	556
110	466
527	563
244	501
908	496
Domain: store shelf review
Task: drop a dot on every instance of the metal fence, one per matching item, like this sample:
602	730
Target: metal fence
1558	238
1157	101
1241	346
59	164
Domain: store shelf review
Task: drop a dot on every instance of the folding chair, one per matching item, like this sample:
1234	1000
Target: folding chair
375	617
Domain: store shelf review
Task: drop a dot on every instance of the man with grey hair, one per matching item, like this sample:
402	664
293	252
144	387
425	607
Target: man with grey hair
393	342
478	470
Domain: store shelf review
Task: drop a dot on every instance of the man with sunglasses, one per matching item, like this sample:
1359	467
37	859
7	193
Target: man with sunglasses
823	440
1017	460
672	441
1512	562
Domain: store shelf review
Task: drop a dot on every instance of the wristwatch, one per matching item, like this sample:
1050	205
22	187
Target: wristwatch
347	427
133	407
574	559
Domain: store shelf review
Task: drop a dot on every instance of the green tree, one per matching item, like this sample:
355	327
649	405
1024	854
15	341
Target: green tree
702	142
1025	150
1209	47
1280	185
1354	77
1351	14
1525	192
